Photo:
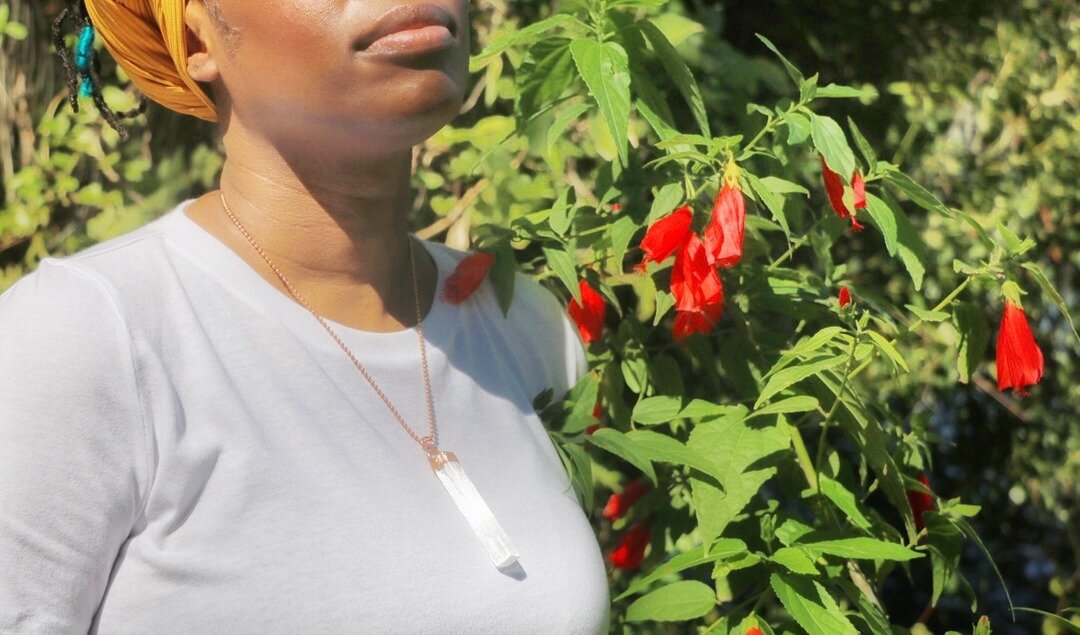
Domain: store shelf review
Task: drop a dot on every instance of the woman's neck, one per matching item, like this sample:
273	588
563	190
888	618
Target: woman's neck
336	227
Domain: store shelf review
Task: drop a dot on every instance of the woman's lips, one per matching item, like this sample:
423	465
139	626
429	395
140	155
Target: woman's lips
412	40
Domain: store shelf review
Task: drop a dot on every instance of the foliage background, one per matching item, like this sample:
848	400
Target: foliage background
981	101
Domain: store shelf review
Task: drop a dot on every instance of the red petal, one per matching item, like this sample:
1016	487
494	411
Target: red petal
920	503
619	503
1019	359
724	234
834	188
467	277
845	297
753	630
631	549
590	319
694	282
858	186
667	235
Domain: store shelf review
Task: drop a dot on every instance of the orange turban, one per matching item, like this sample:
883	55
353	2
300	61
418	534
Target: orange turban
149	41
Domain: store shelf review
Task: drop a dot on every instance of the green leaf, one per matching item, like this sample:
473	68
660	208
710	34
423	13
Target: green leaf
676	602
657	410
560	217
909	244
739	448
563	266
1049	290
773	201
882	215
581	415
801	403
562	122
837	91
622	232
680	74
794	559
503	274
830	141
945	542
605	68
926	315
1057	620
863	549
796	76
786	378
845	500
579	469
798	127
974	336
864	146
521	36
811	605
618	444
917	193
886	347
780	186
661	447
721	549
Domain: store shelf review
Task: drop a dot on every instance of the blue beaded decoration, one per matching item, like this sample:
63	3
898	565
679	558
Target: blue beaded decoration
84	57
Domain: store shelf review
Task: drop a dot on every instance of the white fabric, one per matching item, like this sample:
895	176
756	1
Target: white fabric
185	449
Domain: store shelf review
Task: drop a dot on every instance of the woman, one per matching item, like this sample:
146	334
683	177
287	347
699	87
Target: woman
187	448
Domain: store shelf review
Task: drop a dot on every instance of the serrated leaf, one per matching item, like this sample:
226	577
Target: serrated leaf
927	316
661	447
739	448
811	605
883	217
530	32
605	68
798	127
562	122
794	559
862	548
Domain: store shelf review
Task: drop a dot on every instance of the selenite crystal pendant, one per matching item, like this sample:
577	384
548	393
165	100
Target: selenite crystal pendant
472	506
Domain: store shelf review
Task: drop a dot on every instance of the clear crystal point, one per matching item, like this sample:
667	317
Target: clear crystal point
472	506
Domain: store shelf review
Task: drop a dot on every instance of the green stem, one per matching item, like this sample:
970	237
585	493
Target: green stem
835	407
802	456
914	325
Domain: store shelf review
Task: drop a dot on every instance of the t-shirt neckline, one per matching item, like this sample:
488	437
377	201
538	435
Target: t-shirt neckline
220	260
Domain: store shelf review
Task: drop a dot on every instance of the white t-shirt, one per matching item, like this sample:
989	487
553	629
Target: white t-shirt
185	449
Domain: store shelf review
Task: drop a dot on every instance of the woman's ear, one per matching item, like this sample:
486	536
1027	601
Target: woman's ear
201	62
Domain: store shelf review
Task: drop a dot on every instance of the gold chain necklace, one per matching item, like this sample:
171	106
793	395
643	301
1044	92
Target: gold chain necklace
444	463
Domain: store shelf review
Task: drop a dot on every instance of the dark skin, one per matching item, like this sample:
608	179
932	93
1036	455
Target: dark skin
319	139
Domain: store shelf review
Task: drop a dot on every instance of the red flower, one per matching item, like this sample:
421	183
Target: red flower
858	186
597	411
724	233
1019	360
616	208
630	551
698	290
834	187
619	503
666	236
467	277
920	502
845	297
590	319
753	630
593	428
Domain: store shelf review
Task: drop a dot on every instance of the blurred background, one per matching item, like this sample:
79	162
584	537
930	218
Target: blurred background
978	99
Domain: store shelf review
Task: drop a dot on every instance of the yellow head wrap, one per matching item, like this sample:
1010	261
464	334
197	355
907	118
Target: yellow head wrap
149	41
